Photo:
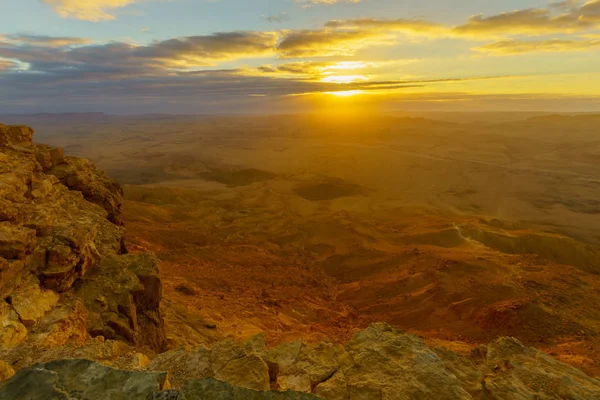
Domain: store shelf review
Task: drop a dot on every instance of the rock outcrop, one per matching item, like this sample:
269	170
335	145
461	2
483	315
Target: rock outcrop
64	274
86	380
378	363
382	362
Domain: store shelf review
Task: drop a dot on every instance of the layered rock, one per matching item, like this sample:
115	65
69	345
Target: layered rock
378	363
86	380
64	274
382	362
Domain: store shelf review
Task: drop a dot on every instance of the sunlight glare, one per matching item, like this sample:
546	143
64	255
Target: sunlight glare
347	65
346	93
344	79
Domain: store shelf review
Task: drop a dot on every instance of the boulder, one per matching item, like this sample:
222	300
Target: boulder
15	134
15	241
183	365
122	295
12	331
6	371
48	156
249	371
81	175
80	379
213	389
31	302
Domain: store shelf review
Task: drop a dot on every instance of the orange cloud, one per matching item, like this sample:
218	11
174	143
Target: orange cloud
6	65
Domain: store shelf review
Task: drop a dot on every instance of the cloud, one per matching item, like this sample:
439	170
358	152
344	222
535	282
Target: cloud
512	47
414	26
46	41
88	10
320	70
281	17
6	65
536	21
126	58
328	42
122	75
564	17
204	50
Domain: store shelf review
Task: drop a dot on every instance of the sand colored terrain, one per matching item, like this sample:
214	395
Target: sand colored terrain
316	226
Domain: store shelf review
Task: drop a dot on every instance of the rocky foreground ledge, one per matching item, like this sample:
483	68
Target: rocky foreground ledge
378	363
80	318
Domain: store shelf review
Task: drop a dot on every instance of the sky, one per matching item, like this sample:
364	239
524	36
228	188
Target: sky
267	56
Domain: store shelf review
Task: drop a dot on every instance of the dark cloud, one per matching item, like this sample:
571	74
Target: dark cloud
126	58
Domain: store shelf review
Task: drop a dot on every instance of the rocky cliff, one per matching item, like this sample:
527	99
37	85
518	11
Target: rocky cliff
65	276
80	318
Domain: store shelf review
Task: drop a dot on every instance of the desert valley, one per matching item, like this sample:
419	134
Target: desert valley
314	227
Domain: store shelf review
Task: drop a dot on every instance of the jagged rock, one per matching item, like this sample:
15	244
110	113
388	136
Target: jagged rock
63	272
6	371
64	324
12	331
123	298
69	255
183	365
80	379
384	363
212	389
18	135
511	370
388	364
48	156
249	371
31	302
334	388
302	367
87	380
15	241
81	175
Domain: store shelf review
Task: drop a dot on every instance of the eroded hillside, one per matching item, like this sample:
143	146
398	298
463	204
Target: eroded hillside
247	282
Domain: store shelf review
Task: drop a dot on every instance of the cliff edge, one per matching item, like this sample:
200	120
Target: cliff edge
65	276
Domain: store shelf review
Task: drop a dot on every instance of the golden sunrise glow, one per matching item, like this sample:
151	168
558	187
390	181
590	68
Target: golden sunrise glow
346	93
344	79
397	52
347	65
